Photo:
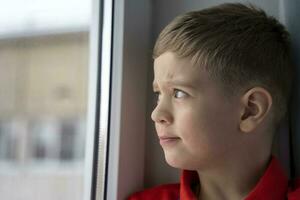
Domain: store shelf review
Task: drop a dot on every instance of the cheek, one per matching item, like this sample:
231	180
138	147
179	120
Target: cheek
194	125
196	118
205	128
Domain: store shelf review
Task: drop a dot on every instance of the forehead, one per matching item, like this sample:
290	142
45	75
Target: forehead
169	68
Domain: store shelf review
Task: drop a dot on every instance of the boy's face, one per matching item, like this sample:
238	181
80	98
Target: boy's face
197	126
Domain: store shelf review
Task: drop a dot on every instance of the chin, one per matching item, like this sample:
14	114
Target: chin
176	162
182	162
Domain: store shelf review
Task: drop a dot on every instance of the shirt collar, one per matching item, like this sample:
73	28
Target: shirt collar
272	185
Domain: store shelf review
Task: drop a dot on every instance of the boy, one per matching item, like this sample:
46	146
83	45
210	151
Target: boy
223	80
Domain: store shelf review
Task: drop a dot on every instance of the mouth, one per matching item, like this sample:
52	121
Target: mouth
166	140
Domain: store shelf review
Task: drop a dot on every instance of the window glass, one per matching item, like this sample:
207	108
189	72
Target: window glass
44	66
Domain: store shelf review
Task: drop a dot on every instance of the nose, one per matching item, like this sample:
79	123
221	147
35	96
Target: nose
161	114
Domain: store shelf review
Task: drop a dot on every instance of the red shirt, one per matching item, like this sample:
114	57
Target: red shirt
273	185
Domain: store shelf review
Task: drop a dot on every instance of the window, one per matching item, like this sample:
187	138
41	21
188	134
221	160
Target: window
46	90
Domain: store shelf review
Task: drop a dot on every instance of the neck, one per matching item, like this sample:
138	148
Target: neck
234	181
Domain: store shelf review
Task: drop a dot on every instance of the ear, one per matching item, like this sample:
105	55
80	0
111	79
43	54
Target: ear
256	104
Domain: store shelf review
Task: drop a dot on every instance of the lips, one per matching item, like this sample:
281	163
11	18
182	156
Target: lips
168	137
168	140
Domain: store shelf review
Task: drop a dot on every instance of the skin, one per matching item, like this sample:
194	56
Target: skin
201	129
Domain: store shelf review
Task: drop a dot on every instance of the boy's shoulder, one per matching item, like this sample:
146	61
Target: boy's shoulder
172	192
163	192
294	190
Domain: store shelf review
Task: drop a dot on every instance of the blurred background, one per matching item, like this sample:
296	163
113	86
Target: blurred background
44	51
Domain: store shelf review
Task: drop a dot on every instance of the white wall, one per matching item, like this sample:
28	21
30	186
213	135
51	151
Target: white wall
291	14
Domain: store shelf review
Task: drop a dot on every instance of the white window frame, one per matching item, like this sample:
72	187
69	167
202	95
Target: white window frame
120	149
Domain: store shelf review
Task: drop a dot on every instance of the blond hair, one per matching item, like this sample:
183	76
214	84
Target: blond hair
239	45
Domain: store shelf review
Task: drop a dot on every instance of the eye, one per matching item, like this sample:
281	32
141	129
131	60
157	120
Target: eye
179	93
157	95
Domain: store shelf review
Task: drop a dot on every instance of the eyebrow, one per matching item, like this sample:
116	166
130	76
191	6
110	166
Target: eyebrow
176	83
